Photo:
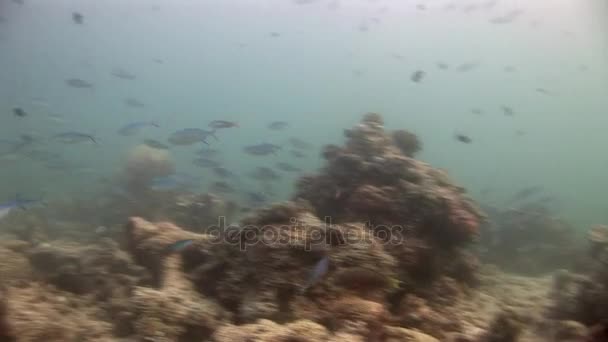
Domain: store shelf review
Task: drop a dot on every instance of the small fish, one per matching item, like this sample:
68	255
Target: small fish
417	76
17	203
73	137
220	124
421	7
287	167
222	188
464	67
155	144
477	111
204	162
509	69
544	91
508	111
123	74
179	246
442	66
133	103
19	112
318	272
297	154
278	125
208	152
274	34
299	144
264	174
256	198
78	83
134	127
526	192
189	136
223	172
77	18
261	149
18	2
463	138
507	18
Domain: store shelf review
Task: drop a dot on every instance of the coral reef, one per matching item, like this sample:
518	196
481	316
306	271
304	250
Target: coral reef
376	247
407	142
529	240
425	221
143	164
583	298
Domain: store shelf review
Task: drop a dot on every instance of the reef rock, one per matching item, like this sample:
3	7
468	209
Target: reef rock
423	220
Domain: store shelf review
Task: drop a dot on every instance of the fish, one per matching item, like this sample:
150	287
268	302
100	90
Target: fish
508	111
477	111
421	7
297	154
77	18
464	67
208	152
18	2
19	112
134	127
509	69
417	76
175	181
17	203
133	103
463	138
299	144
73	137
274	34
287	167
220	124
179	246
544	91
507	18
264	174
78	83
204	162
189	136
526	193
278	125
123	74
155	144
223	172
317	273
222	188
442	66
256	197
261	149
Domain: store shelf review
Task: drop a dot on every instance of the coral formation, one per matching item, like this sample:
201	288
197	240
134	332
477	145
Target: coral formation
408	142
143	164
393	237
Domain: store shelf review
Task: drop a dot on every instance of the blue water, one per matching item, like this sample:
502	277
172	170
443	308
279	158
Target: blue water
331	62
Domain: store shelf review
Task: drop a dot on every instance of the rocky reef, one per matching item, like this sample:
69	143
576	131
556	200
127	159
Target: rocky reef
377	246
583	297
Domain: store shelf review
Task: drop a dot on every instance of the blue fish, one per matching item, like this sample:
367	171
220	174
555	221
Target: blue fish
179	246
318	272
17	203
73	137
134	127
